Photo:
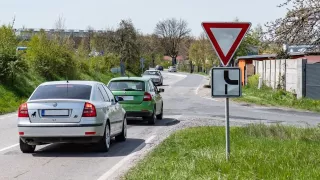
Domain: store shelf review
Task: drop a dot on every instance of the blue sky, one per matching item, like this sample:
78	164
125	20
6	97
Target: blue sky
100	14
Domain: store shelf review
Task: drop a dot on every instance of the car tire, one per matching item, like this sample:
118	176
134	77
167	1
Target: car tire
123	136
104	143
160	116
26	148
152	119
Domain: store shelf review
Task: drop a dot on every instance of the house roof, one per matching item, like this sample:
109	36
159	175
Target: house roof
256	57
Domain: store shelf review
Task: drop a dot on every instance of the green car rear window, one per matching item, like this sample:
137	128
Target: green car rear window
126	85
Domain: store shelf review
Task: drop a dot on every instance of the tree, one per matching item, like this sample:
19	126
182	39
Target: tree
171	33
202	54
150	49
8	44
299	26
49	58
124	42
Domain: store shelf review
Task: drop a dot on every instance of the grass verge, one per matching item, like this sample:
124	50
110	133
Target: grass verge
268	96
17	92
257	152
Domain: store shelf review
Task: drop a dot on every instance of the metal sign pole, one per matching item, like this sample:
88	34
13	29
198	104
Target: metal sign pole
227	129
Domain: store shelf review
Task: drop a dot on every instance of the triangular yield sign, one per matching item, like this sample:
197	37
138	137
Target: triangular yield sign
226	37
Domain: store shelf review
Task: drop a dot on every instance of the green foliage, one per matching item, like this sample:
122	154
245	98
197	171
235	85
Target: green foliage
268	96
253	81
257	152
125	44
50	58
8	43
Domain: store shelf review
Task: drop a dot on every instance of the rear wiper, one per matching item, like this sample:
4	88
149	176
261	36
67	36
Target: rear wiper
130	89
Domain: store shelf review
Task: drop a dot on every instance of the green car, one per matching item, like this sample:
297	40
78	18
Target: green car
141	98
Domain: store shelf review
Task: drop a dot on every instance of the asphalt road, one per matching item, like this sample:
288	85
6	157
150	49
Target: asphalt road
72	161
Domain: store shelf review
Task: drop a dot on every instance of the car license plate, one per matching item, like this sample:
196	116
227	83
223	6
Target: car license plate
127	98
55	112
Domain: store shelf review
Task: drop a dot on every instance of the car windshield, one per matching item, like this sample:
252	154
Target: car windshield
62	91
126	86
151	73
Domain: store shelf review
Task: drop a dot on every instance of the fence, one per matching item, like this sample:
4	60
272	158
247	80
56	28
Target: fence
287	74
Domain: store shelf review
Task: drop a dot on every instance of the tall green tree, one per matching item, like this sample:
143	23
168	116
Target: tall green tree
124	42
8	44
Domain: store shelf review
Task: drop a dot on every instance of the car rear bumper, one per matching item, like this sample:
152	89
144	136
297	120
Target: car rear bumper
139	110
45	140
60	132
139	113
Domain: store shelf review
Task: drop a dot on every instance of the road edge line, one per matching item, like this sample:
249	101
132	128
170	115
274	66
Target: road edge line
9	147
110	172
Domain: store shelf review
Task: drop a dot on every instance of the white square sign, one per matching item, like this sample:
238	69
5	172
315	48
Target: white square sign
226	82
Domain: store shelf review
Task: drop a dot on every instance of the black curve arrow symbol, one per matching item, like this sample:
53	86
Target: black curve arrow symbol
228	81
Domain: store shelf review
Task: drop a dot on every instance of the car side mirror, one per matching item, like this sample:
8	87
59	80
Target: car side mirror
160	90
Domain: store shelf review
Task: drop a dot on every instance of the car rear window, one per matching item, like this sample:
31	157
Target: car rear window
62	91
151	73
126	86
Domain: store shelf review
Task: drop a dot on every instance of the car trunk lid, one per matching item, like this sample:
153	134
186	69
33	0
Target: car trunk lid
130	97
55	111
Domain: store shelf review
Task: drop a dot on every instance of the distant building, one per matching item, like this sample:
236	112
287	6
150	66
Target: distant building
27	33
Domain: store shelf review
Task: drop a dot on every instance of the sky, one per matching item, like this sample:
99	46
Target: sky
102	14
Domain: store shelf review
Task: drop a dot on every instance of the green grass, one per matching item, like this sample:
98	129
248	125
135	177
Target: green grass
18	91
268	96
257	152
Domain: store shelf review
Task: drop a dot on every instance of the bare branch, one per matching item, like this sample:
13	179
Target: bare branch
171	33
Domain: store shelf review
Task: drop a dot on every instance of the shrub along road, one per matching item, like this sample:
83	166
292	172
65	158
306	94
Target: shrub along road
182	102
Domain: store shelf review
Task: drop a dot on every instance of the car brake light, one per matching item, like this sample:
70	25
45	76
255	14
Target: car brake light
23	110
89	110
147	97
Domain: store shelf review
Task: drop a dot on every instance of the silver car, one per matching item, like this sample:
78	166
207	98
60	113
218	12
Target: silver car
172	69
155	76
71	112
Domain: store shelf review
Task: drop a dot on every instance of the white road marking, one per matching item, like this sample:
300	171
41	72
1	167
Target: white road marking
9	147
197	90
7	116
107	174
212	99
180	75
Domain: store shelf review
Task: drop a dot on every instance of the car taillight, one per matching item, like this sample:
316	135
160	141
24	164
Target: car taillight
89	110
147	97
23	110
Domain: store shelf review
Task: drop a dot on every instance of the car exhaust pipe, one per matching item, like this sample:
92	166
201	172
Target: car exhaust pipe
29	141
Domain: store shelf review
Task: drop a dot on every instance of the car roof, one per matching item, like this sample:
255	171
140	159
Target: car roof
131	78
91	83
152	70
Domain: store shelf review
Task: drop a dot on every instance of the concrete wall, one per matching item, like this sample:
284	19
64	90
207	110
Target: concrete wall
283	73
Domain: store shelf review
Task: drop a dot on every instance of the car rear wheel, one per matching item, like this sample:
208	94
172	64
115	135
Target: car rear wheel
123	136
26	148
104	143
160	116
151	119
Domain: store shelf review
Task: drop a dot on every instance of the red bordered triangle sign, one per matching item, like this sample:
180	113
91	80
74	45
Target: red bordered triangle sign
226	37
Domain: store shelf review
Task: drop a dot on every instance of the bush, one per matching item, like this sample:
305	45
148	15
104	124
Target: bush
253	81
8	43
51	59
